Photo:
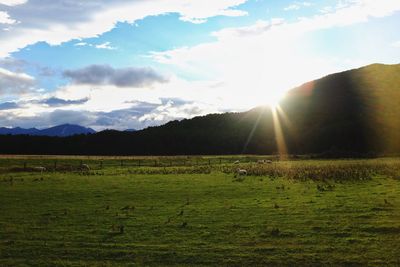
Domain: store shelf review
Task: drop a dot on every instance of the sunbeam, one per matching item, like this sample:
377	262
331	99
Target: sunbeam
279	137
286	121
253	130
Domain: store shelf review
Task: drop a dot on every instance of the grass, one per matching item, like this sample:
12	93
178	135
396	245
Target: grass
201	215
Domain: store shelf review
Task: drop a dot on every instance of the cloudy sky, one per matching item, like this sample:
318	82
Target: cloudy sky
126	64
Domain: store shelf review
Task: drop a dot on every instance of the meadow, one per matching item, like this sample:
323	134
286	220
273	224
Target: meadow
193	211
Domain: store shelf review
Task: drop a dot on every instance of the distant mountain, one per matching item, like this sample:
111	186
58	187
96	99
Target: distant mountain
60	131
130	130
356	112
66	130
17	130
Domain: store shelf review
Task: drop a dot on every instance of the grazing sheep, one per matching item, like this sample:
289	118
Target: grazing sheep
239	175
85	167
263	161
236	162
241	172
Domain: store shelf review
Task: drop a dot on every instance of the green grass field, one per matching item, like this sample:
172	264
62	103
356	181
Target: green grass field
288	213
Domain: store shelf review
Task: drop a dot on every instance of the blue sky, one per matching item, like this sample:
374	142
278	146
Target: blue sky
131	64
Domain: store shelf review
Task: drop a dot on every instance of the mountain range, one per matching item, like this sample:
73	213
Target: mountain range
355	112
60	130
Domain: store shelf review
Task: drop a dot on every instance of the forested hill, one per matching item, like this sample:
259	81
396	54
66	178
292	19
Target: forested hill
356	111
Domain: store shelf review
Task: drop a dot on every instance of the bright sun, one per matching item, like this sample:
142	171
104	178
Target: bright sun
269	99
254	97
273	99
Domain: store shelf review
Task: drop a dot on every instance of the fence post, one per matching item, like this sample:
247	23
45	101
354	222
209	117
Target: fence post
155	163
24	166
55	165
122	163
209	161
101	164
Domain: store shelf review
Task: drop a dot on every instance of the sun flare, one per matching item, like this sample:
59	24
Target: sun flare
273	98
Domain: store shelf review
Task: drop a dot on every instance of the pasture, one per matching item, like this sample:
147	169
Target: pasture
192	211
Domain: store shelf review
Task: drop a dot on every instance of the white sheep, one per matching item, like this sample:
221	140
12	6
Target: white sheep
260	161
241	172
85	167
239	175
236	162
268	161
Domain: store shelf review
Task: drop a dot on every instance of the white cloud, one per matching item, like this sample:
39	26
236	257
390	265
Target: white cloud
59	21
81	44
396	44
171	111
5	18
349	12
292	7
192	17
106	45
297	5
13	83
259	27
12	2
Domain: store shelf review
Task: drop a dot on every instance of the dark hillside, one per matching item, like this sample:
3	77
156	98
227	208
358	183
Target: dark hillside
356	110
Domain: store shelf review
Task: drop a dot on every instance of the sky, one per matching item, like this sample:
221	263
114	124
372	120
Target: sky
130	64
